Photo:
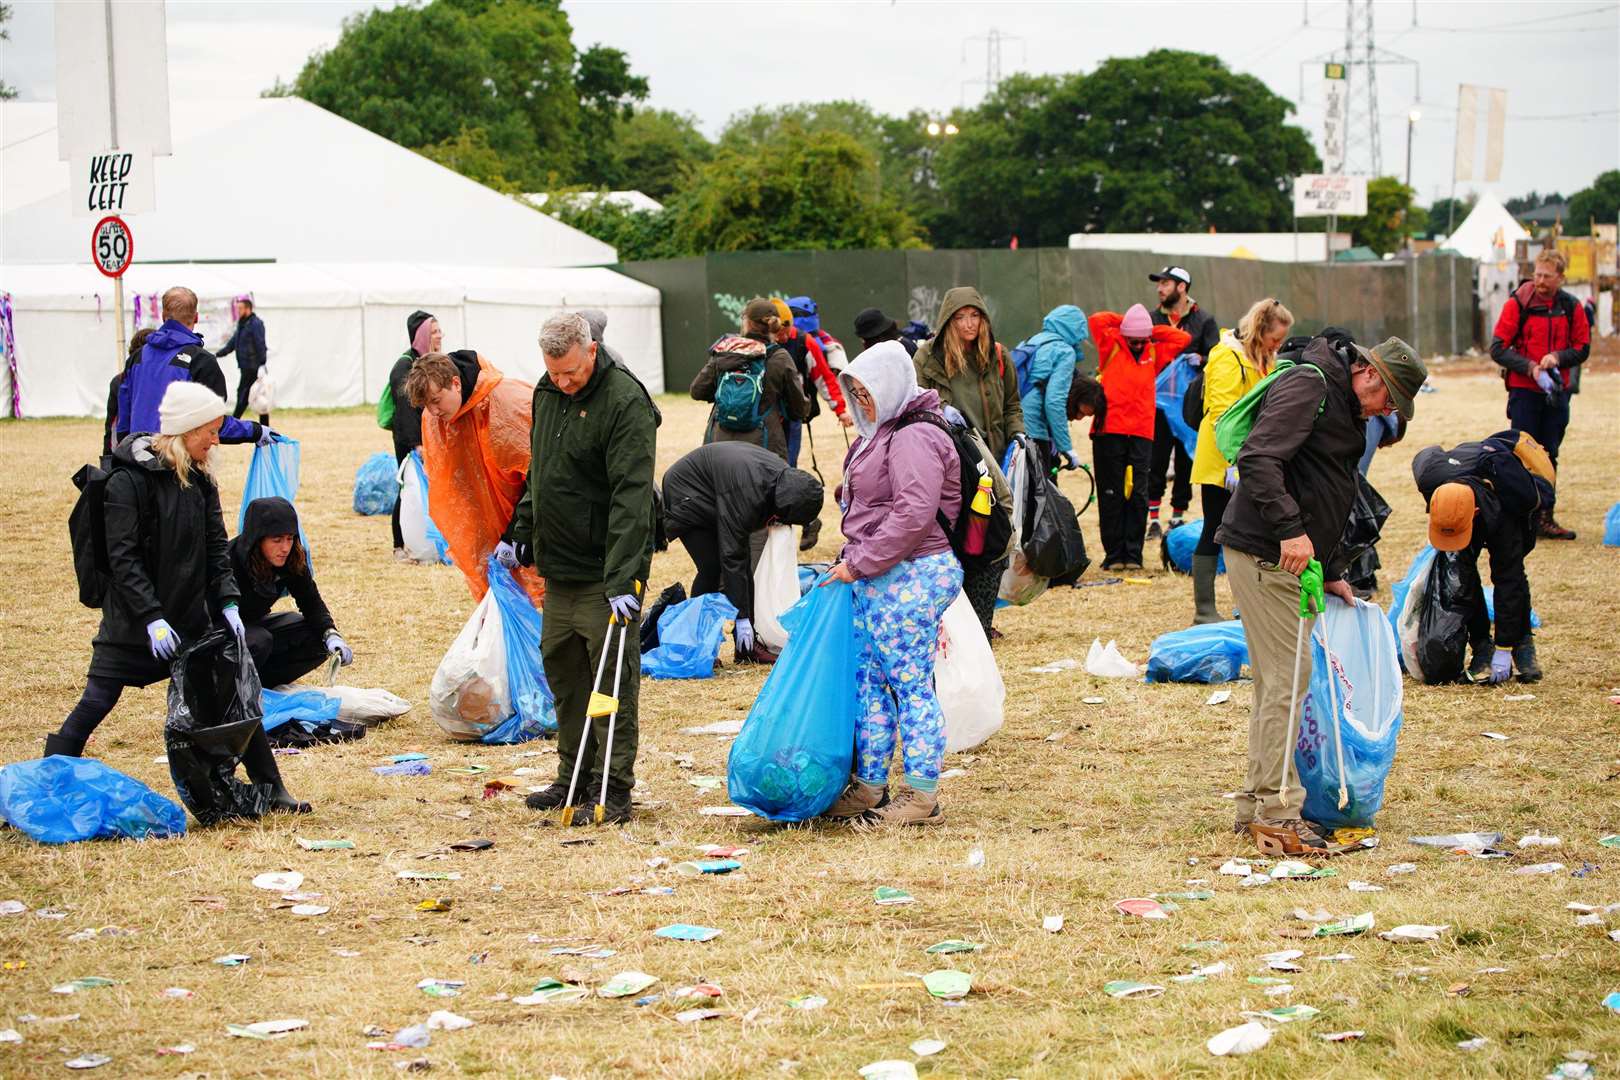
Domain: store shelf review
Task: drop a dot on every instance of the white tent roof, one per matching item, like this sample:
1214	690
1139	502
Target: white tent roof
284	180
1476	237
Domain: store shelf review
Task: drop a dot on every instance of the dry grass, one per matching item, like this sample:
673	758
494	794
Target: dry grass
1126	803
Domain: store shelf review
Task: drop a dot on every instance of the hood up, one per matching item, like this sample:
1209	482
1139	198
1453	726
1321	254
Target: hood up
887	373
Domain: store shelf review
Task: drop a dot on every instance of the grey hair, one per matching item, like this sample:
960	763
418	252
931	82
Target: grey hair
564	330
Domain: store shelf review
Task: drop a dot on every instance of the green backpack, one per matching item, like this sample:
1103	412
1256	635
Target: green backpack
1232	429
385	409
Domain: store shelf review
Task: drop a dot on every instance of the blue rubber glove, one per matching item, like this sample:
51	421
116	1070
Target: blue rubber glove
1070	460
953	415
336	644
1546	382
233	619
506	555
624	608
745	636
1231	478
162	640
1501	665
266	436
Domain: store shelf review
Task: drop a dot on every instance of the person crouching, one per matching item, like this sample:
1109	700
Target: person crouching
269	562
899	476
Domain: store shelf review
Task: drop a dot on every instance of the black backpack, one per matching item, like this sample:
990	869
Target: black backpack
1000	531
87	530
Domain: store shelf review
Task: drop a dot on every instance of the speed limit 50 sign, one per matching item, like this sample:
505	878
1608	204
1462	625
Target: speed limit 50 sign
112	246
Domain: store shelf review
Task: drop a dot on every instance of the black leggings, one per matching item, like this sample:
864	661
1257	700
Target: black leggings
1214	497
399	537
285	647
99	697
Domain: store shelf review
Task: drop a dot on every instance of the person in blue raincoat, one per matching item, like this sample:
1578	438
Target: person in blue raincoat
1046	406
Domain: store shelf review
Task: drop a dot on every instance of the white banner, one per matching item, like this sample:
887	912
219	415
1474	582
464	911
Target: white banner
1336	100
112	77
113	182
1467	121
1496	119
1324	195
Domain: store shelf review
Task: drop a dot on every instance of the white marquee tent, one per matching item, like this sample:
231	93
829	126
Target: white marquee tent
1489	234
336	233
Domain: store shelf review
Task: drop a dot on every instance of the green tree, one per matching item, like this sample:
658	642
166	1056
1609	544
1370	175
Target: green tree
796	190
655	151
1167	142
608	92
7	91
1446	214
635	234
469	153
1523	204
1391	217
1600	203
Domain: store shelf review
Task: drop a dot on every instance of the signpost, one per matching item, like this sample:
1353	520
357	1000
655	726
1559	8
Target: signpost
112	249
1318	195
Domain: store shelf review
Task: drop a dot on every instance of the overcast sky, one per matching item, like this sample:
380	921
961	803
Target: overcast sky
1557	61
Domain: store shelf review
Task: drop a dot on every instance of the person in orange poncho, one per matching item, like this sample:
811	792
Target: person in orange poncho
475	448
1131	352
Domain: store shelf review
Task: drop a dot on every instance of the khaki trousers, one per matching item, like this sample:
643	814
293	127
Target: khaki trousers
1268	603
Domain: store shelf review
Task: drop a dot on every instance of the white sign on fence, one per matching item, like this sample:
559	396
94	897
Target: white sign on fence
114	182
1321	196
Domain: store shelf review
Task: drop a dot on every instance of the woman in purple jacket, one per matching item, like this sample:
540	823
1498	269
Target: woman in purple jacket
899	476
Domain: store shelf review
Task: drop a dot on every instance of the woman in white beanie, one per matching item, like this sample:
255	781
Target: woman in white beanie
170	576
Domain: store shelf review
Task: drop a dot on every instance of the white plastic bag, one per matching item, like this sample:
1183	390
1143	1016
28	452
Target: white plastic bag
413	516
367	706
1106	661
1019	584
469	693
776	584
966	679
262	394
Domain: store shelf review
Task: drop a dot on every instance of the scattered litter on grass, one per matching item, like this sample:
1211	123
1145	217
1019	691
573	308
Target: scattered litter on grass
1477	1043
427	875
1241	867
1535	839
1610	841
626	984
1612	1002
1282	956
1336	958
589	952
686	932
1401	868
1519	697
1188	897
948	984
1538	868
232	959
699	867
435	903
1464	843
324	845
952	945
88	1061
283	882
725	811
1497	735
927	1047
1340	1036
88	982
265	1029
889	1070
1127	988
176	993
556	992
1280	990
888	896
975	859
1292	868
404	768
1068	663
1414	932
1108	663
719	727
179	1048
444	1020
1052	924
1219	697
476	844
10	1035
1266	980
12	907
1358	924
1208	971
1285	1014
1365	886
1320	915
1586	869
308	910
696	991
1142	907
1209	945
807	1002
441	988
1255	880
1243	1039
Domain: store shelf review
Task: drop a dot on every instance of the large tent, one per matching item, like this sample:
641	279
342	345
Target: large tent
337	234
1490	234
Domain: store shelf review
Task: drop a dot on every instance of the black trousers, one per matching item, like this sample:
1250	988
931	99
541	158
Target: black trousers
1214	498
1529	410
285	647
1165	444
249	374
982	586
703	545
399	537
1121	519
1506	547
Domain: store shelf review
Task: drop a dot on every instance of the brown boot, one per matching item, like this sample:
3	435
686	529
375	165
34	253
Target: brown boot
857	799
1287	836
908	807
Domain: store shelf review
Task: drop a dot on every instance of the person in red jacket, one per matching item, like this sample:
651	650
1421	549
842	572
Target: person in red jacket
1131	352
1541	340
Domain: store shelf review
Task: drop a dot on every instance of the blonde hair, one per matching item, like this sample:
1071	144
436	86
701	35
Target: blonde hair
172	449
955	354
1553	258
1257	324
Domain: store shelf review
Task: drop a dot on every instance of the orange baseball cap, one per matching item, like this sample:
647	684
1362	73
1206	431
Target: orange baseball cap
1451	517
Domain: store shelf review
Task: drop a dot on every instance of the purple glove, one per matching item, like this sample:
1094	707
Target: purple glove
162	640
1501	666
1545	381
624	608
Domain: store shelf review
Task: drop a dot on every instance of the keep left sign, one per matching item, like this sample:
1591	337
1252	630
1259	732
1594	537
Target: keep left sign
113	182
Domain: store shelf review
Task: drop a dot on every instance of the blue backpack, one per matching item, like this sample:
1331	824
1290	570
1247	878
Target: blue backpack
737	398
1023	357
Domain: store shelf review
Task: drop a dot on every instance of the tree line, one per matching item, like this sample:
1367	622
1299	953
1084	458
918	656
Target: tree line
1171	141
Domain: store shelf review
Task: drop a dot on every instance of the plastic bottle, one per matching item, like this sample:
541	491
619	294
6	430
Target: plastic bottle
979	522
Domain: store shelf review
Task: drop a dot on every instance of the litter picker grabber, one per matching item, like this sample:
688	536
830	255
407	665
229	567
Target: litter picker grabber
585	730
613	717
330	669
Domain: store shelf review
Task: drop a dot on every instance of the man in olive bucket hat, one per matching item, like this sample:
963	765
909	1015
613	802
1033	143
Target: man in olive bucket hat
1308	435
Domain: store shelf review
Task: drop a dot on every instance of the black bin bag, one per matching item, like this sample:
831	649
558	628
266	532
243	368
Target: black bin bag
214	711
1053	544
1358	544
1442	642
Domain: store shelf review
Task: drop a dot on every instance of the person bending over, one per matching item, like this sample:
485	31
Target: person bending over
269	562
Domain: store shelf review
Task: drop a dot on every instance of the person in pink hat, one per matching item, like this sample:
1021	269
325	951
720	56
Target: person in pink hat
1130	353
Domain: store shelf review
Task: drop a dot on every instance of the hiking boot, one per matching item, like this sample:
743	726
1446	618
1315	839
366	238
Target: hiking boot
908	807
1551	530
616	811
1155	531
553	797
1479	668
764	654
1287	836
812	533
857	799
1113	566
1524	658
61	744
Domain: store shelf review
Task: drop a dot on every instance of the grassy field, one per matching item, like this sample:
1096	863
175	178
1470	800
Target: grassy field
1074	806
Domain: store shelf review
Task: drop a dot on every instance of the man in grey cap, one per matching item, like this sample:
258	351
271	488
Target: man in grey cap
1296	483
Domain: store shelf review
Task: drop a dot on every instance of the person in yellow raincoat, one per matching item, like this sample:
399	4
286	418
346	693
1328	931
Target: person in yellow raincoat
475	448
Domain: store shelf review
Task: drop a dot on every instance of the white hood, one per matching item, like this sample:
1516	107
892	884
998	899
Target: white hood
887	373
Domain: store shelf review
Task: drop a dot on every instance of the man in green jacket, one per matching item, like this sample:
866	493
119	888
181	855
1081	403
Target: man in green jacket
585	522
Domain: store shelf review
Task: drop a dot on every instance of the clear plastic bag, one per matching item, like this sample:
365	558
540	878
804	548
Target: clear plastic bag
1406	607
61	800
689	637
966	679
793	756
776	584
423	540
1019	584
1211	653
468	696
376	485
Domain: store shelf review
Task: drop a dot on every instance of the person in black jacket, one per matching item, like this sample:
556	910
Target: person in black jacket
715	498
247	342
1491	495
1296	484
423	333
1176	309
170	571
269	562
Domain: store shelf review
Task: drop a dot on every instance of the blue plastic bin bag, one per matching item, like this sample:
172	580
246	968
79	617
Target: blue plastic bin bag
689	638
58	800
534	710
1168	391
376	486
273	472
441	546
1359	696
311	706
1611	527
793	756
1179	545
1211	653
1490	608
